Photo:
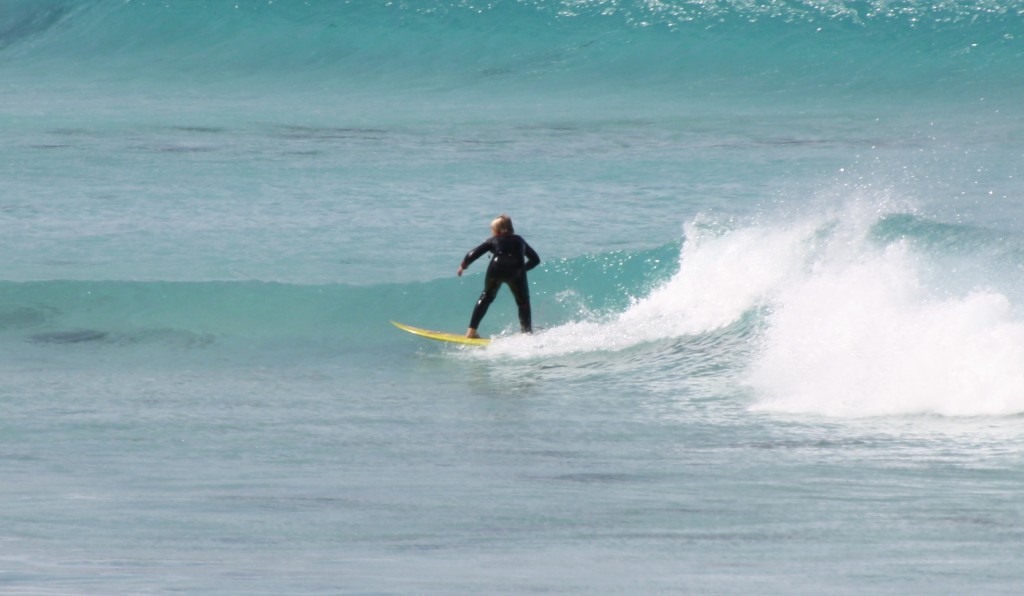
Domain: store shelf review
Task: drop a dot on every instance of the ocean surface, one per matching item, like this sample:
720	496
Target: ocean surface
779	320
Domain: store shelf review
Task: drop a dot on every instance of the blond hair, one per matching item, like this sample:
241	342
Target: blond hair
502	225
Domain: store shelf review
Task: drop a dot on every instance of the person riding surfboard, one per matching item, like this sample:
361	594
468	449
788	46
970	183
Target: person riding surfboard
512	258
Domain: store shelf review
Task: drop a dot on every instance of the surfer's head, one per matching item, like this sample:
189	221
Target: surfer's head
502	225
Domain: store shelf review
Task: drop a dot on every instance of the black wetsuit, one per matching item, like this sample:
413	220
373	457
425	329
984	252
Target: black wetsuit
512	258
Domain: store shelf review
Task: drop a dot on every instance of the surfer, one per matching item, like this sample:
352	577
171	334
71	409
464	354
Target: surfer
512	258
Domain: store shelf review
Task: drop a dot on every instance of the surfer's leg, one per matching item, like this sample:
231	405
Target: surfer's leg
491	286
521	290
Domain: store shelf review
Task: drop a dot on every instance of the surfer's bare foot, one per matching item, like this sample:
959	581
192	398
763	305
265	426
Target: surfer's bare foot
472	334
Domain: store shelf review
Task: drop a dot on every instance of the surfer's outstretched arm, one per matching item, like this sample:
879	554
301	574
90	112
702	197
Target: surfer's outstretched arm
473	255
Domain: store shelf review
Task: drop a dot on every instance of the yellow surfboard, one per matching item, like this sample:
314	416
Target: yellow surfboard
442	336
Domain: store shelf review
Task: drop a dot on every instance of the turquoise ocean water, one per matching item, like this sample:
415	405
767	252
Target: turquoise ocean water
780	313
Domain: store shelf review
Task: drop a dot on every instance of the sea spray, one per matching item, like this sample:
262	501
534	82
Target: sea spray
838	314
867	339
898	315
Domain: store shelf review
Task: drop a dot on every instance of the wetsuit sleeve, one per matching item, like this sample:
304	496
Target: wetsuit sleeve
532	259
476	253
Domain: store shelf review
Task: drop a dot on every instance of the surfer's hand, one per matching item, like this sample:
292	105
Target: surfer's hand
459	272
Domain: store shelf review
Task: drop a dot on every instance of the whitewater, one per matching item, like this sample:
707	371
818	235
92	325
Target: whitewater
779	319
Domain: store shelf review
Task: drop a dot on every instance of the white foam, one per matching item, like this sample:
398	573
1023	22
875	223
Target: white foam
853	330
721	277
865	338
723	274
862	333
